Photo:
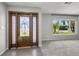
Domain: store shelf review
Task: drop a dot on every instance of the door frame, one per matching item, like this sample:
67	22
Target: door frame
10	13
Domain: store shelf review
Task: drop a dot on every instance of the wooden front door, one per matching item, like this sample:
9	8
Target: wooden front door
23	29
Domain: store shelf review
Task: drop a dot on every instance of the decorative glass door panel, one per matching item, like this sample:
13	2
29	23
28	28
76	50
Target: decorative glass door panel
13	29
34	29
24	26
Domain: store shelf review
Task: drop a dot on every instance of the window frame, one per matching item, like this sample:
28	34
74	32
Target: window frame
68	20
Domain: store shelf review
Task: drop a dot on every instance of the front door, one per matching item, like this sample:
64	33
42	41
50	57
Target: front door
23	29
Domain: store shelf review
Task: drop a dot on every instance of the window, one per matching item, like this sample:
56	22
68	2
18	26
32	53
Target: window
63	26
24	26
13	29
34	29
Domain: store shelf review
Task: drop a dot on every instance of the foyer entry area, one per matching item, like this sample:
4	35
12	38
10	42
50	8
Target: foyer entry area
23	29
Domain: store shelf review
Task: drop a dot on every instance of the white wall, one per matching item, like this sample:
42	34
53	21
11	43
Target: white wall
2	28
47	27
25	9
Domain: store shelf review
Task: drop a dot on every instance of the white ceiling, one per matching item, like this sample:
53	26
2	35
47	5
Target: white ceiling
51	7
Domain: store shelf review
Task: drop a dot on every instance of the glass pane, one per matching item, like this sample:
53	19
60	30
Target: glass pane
13	29
34	29
24	26
63	26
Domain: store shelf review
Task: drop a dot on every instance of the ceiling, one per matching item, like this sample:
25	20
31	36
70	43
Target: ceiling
51	7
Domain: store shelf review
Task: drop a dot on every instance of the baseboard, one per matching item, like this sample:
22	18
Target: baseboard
3	51
48	39
58	39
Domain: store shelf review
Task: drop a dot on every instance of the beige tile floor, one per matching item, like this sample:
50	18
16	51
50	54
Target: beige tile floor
23	52
49	48
61	48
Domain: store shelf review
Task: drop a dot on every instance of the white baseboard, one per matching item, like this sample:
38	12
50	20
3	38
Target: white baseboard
3	51
48	39
58	39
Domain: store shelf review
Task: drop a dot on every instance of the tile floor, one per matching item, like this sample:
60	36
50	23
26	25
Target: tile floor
23	52
61	48
49	48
